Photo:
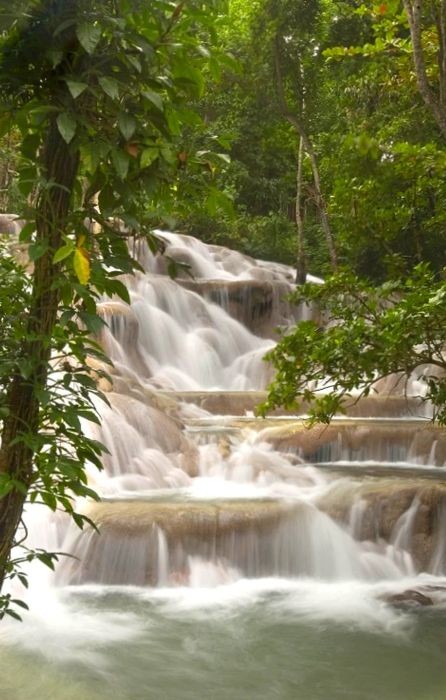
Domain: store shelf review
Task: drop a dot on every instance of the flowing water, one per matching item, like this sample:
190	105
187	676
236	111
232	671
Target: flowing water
237	558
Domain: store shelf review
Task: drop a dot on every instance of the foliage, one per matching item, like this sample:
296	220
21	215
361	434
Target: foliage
388	183
365	333
99	93
380	153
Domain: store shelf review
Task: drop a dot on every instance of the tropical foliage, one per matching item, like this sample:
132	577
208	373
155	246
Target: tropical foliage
96	95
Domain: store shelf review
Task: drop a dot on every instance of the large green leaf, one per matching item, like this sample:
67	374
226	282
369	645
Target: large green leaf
63	253
109	86
88	35
76	87
155	98
66	124
121	162
148	156
127	125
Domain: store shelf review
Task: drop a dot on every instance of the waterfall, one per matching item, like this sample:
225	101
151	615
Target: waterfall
229	546
187	491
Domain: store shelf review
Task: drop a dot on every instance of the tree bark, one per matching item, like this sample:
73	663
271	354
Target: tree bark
60	166
441	29
435	104
301	272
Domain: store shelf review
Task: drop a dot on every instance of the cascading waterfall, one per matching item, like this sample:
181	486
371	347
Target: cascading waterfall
174	339
201	510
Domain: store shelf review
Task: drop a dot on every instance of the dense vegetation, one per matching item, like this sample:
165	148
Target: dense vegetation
95	95
342	74
331	115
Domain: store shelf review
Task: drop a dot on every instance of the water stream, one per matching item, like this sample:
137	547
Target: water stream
237	558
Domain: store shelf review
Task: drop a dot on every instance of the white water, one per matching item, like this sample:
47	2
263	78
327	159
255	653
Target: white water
215	519
171	337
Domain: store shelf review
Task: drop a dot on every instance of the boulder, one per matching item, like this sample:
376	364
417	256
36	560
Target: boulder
408	599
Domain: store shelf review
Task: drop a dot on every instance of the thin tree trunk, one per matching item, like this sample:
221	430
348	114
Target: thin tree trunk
301	273
322	207
5	178
308	146
16	454
436	105
441	29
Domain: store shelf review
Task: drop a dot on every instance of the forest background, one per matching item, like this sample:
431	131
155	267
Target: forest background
344	70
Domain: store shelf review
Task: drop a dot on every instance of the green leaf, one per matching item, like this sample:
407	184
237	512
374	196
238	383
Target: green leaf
67	126
55	56
168	155
127	125
117	287
154	98
121	162
30	145
218	201
189	75
27	179
13	614
63	253
49	500
43	396
37	249
110	87
94	324
79	520
148	156
135	63
47	558
88	35
76	87
26	232
107	200
214	68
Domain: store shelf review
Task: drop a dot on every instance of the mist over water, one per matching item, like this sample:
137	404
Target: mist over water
236	558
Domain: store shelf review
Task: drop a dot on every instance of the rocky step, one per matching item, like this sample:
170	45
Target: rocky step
239	403
149	542
408	513
356	440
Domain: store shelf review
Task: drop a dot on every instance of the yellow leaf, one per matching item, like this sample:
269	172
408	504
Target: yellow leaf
81	265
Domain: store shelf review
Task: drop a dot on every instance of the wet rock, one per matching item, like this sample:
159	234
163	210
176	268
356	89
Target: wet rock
10	228
10	224
140	542
260	305
384	503
408	599
181	519
121	320
238	403
349	439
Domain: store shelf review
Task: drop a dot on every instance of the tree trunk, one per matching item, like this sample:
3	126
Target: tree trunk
301	273
308	146
441	29
436	105
60	165
321	205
